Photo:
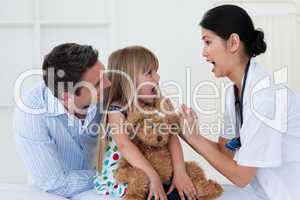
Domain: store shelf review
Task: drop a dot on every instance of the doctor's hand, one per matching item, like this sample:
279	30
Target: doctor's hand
189	124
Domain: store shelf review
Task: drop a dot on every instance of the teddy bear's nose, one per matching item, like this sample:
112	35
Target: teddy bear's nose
159	138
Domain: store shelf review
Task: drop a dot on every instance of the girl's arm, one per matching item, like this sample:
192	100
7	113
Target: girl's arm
174	145
181	180
176	154
132	154
215	154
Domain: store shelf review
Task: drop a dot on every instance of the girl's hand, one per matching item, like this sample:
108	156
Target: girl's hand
189	123
182	182
156	189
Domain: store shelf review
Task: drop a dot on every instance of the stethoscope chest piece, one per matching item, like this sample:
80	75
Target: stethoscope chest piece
233	144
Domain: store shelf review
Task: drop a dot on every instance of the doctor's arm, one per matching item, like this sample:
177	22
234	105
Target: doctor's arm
214	152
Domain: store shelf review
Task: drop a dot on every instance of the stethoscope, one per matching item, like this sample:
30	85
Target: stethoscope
235	143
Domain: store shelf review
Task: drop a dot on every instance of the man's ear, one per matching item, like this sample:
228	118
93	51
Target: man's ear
67	98
233	42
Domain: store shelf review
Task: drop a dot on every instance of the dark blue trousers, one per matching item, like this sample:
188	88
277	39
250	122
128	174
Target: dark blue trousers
173	195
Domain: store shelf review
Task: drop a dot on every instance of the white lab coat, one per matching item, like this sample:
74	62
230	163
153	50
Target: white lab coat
270	135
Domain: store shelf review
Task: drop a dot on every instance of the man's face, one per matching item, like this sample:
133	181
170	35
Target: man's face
94	81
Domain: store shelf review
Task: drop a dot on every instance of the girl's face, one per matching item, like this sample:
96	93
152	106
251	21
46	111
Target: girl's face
147	83
216	52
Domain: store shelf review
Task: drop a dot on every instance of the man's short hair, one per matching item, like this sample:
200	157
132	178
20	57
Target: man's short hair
66	64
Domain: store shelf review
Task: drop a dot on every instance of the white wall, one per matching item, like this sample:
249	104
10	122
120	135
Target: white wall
169	28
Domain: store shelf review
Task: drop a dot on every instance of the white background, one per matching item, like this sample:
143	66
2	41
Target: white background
30	28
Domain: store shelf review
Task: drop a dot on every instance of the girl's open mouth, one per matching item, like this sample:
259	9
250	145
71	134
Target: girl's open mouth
154	91
214	66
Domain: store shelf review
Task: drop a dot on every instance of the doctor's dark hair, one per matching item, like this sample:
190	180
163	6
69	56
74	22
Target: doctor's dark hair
228	19
67	63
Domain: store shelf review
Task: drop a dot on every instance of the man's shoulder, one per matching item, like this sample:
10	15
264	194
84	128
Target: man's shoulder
31	102
29	113
34	98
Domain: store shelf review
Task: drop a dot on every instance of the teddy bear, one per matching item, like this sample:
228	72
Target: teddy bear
150	130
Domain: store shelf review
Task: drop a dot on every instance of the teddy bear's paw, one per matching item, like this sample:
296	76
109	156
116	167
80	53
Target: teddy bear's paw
210	190
133	197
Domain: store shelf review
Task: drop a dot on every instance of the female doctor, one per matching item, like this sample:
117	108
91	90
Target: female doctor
261	144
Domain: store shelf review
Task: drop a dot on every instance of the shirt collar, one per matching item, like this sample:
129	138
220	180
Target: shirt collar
91	113
56	108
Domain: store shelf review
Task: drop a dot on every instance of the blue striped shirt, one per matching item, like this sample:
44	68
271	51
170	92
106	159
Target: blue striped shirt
58	149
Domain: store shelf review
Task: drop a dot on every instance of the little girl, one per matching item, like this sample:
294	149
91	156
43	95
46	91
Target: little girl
140	65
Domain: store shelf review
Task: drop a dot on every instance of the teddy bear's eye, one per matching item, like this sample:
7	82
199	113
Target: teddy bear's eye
159	138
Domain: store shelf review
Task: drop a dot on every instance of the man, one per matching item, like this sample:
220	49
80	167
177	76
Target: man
57	143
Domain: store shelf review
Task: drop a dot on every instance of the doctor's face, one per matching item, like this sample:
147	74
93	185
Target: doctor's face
215	52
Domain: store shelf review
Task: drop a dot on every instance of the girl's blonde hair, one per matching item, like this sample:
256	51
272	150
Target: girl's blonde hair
130	61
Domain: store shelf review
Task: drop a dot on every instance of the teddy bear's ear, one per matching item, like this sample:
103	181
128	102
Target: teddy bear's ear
173	118
135	117
174	121
164	105
132	122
